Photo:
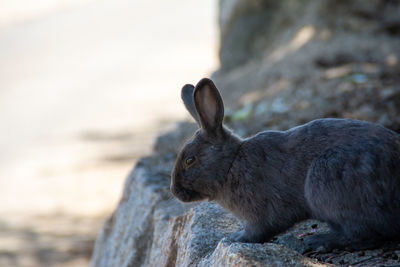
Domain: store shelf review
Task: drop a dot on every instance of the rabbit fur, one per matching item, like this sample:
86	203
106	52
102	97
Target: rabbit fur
341	171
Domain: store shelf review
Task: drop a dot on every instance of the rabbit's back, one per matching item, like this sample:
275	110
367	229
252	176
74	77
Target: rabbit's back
354	182
345	172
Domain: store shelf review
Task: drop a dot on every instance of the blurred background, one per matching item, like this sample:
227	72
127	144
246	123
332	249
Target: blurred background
85	87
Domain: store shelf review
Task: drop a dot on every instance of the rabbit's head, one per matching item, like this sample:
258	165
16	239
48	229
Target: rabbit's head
202	164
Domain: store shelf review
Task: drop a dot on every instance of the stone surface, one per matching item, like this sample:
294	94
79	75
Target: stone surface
128	232
242	254
312	59
283	63
150	228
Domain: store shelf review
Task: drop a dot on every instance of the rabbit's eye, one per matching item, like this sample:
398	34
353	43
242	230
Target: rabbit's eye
189	160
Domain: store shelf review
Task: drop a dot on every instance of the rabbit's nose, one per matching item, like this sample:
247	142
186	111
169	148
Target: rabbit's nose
177	190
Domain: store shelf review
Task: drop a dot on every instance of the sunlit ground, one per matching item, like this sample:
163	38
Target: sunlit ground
85	86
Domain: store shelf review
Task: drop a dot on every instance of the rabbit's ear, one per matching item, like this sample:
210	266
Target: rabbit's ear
187	98
209	107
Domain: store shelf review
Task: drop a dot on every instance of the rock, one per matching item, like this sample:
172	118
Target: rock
127	234
239	22
242	254
186	238
150	228
308	60
283	63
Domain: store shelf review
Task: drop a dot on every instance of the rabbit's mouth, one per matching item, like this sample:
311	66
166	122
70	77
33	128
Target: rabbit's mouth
186	195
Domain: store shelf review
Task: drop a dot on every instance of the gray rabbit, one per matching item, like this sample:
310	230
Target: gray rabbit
340	171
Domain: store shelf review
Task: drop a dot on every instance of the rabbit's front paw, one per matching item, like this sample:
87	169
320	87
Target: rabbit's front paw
328	242
315	243
324	242
245	237
242	236
239	236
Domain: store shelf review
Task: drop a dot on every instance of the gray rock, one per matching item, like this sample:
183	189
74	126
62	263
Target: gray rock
240	21
310	59
127	234
242	254
290	61
149	228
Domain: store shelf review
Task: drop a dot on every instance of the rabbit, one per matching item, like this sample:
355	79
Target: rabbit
340	171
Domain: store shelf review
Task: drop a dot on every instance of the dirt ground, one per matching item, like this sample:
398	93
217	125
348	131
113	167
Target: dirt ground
85	87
